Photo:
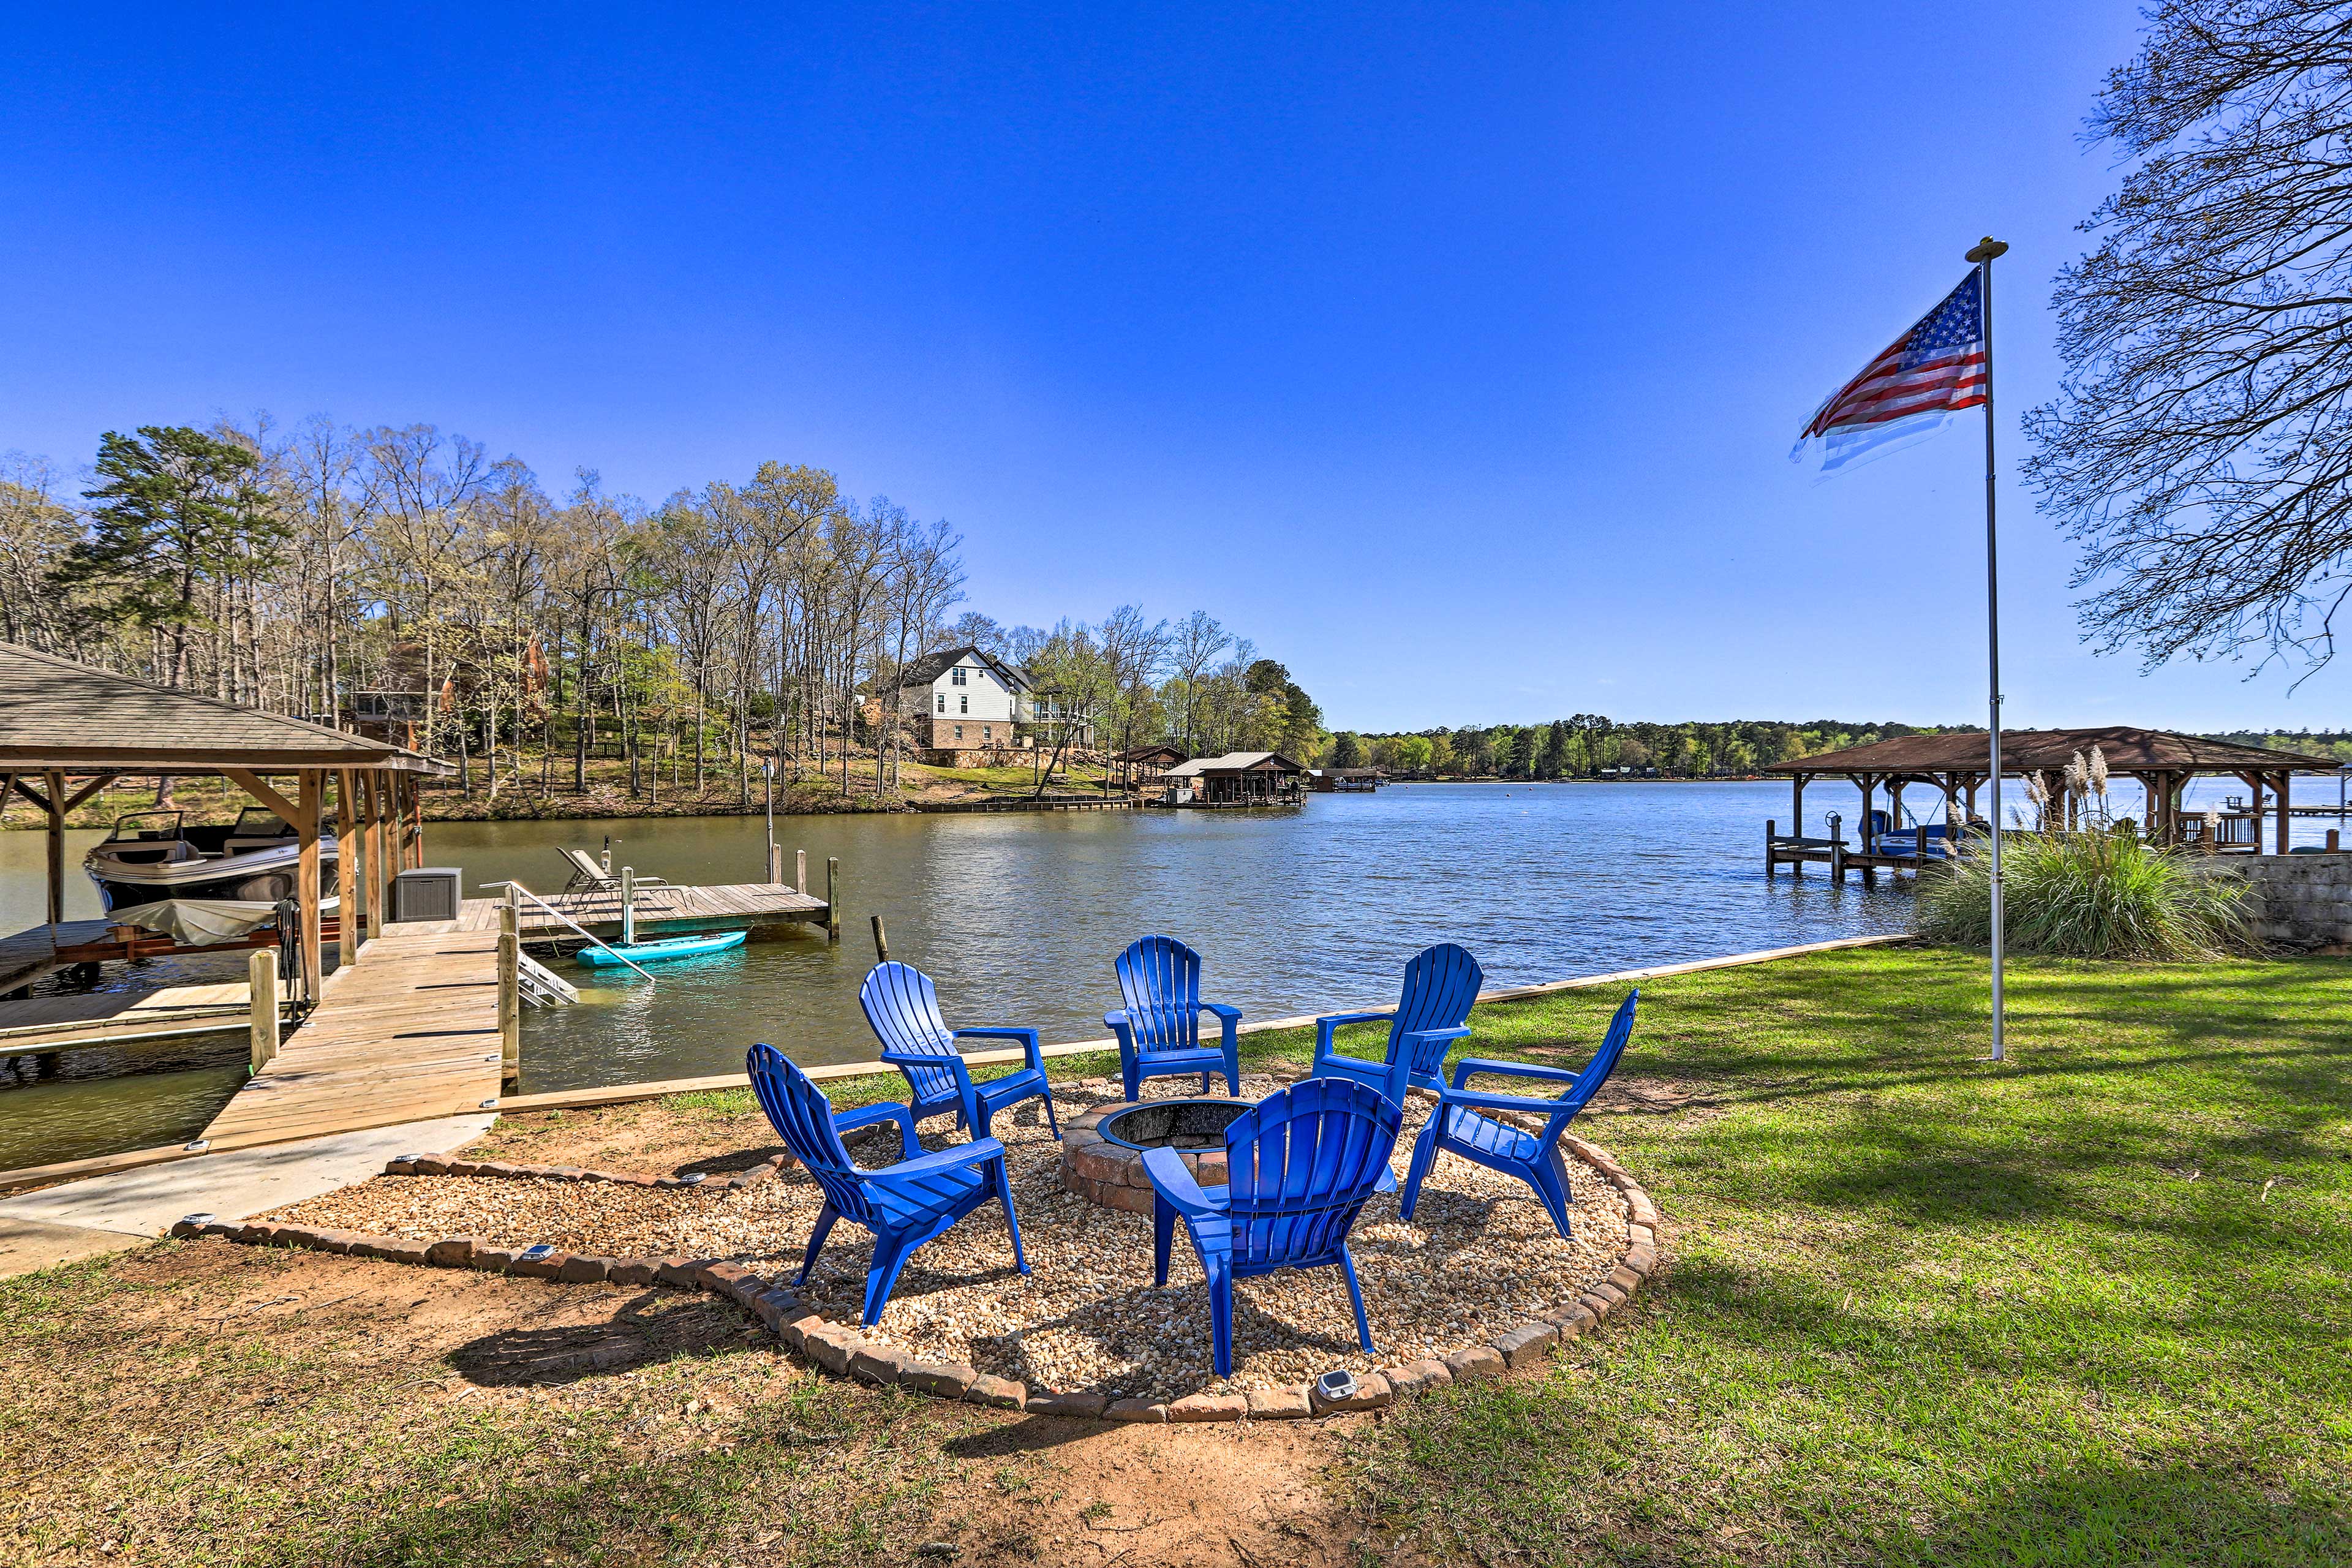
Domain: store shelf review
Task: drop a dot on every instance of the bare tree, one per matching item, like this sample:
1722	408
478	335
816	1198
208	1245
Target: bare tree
1194	647
2201	447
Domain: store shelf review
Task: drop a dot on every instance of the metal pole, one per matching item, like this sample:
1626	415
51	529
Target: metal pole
769	768
1983	256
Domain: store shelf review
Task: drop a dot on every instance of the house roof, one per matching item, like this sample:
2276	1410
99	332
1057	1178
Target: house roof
926	669
2127	750
1235	762
1150	753
57	712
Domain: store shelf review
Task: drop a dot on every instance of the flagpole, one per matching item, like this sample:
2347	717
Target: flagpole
1983	255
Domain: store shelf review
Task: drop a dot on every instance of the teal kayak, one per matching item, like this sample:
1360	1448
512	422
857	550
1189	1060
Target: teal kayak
669	947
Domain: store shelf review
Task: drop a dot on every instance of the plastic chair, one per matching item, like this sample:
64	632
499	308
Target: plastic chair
903	1008
905	1205
1440	987
1159	1028
1534	1158
1301	1163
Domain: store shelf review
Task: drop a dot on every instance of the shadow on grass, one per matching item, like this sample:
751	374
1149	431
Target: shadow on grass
647	1329
2215	1517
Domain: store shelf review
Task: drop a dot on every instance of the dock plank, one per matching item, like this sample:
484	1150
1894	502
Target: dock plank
408	1033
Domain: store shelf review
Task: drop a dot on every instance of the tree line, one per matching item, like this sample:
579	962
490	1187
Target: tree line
1591	745
403	573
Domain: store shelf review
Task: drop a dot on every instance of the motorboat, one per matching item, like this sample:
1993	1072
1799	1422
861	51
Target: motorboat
152	856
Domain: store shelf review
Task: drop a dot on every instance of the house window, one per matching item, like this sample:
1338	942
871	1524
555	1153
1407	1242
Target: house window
943	702
955	676
987	732
964	704
959	731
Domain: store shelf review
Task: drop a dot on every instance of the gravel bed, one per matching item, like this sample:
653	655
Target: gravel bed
1479	1257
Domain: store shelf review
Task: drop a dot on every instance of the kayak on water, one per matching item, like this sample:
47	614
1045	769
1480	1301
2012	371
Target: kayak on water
669	947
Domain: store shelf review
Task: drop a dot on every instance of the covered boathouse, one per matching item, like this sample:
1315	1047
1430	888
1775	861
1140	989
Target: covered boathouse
1952	769
68	727
1237	778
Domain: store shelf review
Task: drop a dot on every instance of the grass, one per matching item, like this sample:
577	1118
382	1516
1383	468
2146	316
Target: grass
2086	1307
2089	1306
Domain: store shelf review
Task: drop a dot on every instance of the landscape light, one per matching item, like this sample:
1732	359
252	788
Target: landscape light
1335	1386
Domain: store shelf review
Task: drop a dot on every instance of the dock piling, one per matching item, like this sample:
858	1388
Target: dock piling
833	898
881	943
800	870
509	995
628	905
261	976
775	865
1771	832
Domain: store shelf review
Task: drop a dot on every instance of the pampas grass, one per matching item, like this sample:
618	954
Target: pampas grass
2087	893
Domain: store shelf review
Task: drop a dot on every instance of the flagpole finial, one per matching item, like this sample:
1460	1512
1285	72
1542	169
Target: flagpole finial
1990	250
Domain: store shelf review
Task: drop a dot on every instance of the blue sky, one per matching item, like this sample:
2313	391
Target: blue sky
1452	353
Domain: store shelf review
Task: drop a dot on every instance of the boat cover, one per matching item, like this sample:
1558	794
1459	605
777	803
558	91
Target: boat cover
199	923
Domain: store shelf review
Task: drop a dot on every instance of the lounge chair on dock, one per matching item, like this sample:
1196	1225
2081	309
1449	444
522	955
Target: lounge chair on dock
587	877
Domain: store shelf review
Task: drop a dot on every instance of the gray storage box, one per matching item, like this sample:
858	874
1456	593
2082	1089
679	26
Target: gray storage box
427	893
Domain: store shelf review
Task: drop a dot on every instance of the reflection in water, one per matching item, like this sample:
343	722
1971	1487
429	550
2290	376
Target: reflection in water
1018	916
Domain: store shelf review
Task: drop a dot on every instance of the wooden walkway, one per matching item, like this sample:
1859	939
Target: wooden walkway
407	1033
47	1024
727	907
31	955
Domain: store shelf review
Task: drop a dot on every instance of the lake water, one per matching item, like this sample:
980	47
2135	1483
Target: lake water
1018	916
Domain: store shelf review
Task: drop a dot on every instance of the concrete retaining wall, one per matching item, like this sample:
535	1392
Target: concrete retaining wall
2298	900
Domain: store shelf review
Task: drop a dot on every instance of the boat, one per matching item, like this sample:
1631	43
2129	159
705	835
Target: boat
152	856
693	946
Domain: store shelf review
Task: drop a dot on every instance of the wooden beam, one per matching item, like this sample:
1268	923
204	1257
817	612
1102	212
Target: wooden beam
251	784
92	788
2287	816
28	792
56	848
306	829
347	859
372	795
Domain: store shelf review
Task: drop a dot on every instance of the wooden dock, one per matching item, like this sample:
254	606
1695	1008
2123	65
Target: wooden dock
44	1024
1031	803
409	1033
660	911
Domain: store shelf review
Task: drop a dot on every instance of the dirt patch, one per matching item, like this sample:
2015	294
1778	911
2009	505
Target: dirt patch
275	1407
1627	1094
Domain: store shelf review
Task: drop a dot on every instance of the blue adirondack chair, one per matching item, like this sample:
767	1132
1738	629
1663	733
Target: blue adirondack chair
1535	1158
903	1010
1441	985
905	1205
1159	1030
1301	1164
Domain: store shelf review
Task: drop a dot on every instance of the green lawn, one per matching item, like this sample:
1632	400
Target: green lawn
2089	1306
2086	1307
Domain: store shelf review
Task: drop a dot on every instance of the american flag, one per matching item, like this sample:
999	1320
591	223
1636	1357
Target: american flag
1937	368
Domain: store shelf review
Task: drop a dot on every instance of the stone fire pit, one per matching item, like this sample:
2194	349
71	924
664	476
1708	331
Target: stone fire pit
1102	1148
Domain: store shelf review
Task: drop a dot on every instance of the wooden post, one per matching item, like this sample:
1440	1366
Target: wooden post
833	898
372	798
881	943
1771	830
2286	816
509	998
775	865
261	977
347	880
416	812
56	858
2335	842
306	891
628	905
800	871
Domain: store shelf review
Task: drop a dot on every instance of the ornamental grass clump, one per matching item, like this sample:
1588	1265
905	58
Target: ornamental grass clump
2089	892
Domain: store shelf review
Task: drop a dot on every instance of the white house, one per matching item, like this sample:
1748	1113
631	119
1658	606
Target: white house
967	704
963	701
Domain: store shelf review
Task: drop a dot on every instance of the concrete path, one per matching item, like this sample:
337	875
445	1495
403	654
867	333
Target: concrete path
111	1214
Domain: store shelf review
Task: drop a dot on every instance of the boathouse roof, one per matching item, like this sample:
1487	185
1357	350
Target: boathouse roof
58	713
1151	754
2127	750
1235	762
